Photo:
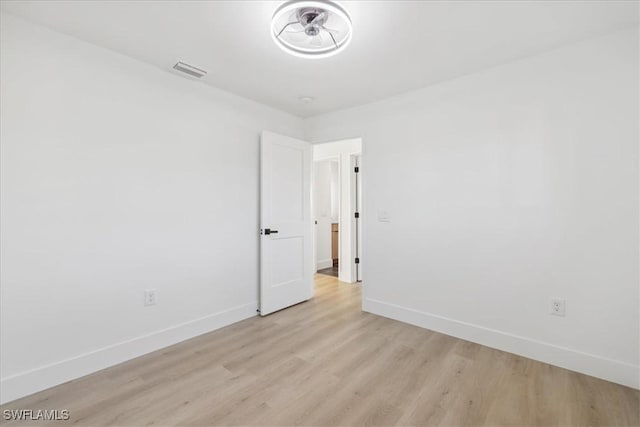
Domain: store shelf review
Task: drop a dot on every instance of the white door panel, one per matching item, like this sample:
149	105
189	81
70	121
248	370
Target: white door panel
286	258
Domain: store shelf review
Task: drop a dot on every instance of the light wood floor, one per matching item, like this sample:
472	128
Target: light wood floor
326	363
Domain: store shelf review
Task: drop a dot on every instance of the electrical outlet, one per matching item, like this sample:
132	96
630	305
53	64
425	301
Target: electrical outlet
558	307
150	297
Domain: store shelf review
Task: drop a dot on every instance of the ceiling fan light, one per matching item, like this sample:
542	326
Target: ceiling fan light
311	28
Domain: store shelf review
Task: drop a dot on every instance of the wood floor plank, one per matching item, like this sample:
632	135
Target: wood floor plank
326	363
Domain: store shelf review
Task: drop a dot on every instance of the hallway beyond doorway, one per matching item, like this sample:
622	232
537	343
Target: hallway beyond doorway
331	271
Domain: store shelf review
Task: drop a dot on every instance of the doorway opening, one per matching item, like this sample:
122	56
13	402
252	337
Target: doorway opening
288	232
336	209
326	208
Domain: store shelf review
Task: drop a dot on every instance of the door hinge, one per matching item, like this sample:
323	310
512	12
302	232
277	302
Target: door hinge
357	260
356	169
357	214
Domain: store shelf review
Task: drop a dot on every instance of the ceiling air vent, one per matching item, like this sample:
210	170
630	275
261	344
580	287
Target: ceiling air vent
189	69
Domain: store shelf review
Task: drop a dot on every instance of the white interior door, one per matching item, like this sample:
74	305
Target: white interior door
286	247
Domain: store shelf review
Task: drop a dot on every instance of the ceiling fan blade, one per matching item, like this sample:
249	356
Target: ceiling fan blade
285	27
333	39
316	41
319	17
294	27
330	30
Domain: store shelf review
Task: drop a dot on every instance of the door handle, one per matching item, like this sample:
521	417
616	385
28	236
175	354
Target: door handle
268	231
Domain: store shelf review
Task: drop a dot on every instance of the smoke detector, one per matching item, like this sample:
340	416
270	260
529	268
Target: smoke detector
311	29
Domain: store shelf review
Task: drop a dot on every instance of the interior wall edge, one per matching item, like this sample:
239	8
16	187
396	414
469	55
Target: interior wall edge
318	135
44	377
600	367
216	96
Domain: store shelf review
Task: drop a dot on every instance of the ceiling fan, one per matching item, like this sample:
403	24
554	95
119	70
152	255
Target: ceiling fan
309	19
312	21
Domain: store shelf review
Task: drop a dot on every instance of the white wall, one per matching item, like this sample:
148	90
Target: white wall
506	188
322	212
117	177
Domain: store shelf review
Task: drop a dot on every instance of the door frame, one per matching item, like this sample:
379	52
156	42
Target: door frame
346	216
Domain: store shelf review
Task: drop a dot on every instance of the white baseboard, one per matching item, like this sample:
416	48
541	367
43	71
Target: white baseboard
19	385
325	263
601	367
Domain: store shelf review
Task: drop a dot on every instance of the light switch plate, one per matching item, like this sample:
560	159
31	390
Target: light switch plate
383	216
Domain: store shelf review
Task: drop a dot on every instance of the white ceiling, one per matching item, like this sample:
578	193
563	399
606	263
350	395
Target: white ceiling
397	46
